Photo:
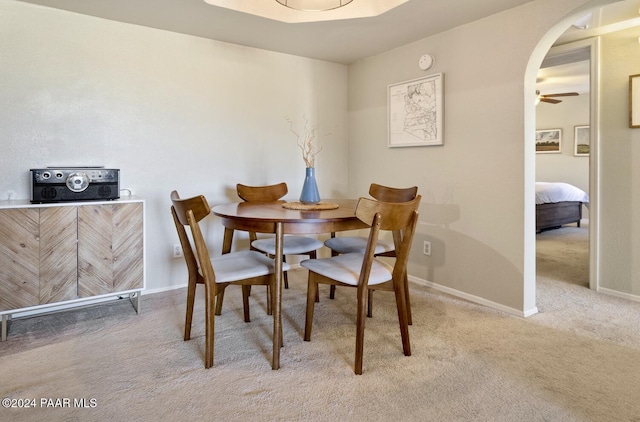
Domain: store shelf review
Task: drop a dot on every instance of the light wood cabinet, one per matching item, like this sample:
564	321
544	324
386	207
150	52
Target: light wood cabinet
109	248
19	258
59	254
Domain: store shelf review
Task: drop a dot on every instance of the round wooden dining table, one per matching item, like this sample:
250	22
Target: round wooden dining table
273	217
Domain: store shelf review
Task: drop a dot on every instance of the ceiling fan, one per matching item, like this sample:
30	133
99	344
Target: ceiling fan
546	98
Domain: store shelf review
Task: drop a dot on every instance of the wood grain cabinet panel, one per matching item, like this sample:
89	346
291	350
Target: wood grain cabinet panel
110	249
127	241
58	254
19	258
38	256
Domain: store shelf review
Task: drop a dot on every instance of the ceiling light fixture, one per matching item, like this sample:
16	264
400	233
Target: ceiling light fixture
314	5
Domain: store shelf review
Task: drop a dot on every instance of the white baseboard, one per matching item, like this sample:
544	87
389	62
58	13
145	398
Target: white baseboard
163	289
616	293
475	299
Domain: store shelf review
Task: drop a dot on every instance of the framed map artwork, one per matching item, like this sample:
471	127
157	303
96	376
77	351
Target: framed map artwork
415	112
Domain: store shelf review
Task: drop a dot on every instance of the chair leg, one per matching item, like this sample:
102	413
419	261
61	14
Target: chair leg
370	303
219	301
312	290
313	255
191	296
209	314
332	289
246	290
284	275
407	299
360	320
269	307
401	304
281	337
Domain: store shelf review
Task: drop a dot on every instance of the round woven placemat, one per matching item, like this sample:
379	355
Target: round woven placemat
310	207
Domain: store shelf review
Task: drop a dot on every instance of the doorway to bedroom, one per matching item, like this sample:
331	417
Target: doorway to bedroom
563	151
613	43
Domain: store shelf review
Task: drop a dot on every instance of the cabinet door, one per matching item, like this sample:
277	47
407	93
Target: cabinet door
110	249
128	248
58	254
19	258
95	258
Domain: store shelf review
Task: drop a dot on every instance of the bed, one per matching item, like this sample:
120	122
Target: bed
558	204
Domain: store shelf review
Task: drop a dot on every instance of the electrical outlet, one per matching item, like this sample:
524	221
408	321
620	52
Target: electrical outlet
177	251
426	248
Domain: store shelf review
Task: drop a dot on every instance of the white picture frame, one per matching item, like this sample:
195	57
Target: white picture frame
415	112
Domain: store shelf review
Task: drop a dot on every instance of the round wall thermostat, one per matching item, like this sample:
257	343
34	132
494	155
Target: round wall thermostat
426	62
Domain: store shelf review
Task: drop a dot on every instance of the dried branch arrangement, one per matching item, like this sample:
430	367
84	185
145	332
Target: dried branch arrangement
307	142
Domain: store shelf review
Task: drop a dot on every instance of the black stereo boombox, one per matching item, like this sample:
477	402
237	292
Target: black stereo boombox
58	184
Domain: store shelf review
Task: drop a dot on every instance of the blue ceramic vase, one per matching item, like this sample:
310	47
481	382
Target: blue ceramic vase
310	194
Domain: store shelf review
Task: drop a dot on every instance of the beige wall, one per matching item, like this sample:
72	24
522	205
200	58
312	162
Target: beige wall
620	167
171	111
478	208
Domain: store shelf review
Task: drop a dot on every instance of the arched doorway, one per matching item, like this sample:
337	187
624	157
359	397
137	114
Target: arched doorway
612	225
530	127
584	50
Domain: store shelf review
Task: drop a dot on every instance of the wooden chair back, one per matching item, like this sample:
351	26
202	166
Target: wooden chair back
399	217
198	205
189	212
270	193
189	257
179	209
389	194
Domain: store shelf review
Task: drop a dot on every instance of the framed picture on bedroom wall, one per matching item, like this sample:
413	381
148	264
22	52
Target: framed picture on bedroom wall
548	141
634	101
581	141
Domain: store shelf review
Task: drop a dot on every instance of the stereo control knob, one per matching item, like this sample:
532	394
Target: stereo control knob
77	182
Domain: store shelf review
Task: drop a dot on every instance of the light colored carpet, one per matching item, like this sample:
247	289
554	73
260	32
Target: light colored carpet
563	254
577	360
